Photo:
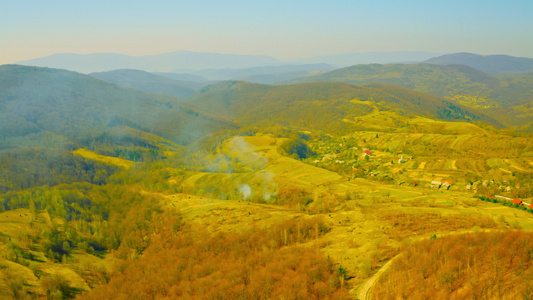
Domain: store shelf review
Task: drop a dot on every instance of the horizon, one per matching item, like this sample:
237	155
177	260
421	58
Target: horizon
294	60
285	31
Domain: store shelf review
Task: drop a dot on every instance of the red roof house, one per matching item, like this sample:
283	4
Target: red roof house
517	201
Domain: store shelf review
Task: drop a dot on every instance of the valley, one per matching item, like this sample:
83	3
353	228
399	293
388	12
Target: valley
254	191
263	150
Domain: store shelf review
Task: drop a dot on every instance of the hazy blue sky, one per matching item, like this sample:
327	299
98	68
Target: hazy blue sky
283	29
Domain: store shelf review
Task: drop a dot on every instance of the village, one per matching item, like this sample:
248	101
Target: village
361	157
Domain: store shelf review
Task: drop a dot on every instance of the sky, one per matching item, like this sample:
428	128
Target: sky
282	29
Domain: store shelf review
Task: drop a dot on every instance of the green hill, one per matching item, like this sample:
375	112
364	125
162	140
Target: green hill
496	95
328	106
76	106
46	113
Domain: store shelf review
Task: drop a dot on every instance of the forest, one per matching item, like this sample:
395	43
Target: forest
492	265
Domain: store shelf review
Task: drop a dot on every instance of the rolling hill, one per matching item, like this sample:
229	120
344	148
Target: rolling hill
491	64
36	100
496	95
263	74
150	83
328	106
350	59
182	76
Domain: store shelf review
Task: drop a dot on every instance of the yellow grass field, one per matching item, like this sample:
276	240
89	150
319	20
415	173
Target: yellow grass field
119	162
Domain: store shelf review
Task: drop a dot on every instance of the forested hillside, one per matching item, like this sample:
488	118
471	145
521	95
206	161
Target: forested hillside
499	96
464	266
78	106
46	113
326	106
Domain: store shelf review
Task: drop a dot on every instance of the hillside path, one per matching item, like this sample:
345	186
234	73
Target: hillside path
365	289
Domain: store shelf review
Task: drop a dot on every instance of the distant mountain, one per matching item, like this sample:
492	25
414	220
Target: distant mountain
265	74
495	95
432	79
491	64
149	82
78	107
277	78
328	106
167	62
350	59
182	76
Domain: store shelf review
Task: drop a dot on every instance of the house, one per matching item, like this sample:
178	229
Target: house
446	184
368	152
517	201
436	183
531	206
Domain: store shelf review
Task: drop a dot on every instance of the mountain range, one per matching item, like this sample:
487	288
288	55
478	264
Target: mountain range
187	61
350	59
493	84
167	62
491	64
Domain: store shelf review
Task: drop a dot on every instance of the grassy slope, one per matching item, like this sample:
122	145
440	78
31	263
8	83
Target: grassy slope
119	162
15	225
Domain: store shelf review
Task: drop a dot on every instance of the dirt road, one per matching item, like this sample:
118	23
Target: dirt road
364	291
